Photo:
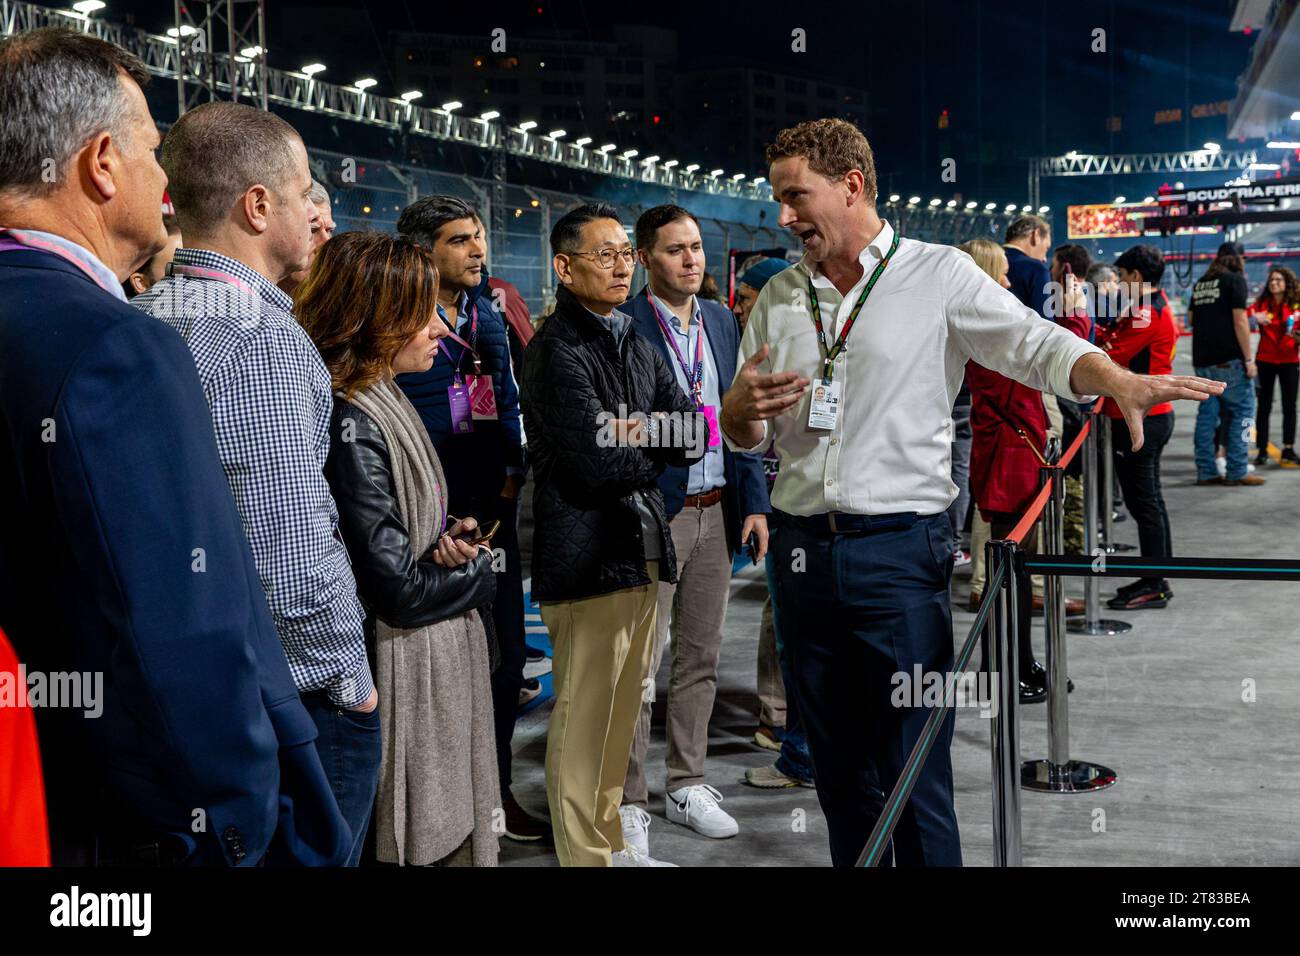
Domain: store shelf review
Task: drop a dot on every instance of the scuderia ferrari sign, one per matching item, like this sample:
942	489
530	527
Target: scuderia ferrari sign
1250	192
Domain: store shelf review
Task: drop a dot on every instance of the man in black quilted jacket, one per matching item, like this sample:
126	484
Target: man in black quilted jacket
604	416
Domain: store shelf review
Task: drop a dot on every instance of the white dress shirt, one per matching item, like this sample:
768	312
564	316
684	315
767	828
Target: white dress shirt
932	309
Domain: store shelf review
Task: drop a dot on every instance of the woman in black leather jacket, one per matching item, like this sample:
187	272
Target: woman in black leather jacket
369	305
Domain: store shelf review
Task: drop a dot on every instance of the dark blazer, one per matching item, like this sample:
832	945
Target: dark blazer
746	490
474	464
587	538
121	553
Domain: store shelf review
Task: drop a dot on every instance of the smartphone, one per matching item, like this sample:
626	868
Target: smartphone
478	535
751	545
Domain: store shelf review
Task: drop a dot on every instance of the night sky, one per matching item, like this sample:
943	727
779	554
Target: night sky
1017	77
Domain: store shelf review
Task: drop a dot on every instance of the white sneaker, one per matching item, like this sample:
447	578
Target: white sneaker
631	856
636	829
697	807
1221	466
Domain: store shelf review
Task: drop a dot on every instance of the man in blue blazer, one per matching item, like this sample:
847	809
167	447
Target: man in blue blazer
713	507
125	577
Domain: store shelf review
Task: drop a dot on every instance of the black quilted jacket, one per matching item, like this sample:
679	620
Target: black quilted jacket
588	532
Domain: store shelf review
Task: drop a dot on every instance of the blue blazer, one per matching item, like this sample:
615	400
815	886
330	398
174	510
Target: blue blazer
476	464
122	554
746	490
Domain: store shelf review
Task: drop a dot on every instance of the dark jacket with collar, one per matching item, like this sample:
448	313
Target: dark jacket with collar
121	553
1029	278
745	492
393	584
588	530
475	463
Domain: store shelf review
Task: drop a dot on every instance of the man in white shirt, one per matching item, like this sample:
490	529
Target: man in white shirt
863	547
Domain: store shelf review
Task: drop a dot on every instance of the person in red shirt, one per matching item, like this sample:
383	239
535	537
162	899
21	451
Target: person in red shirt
1277	310
1143	340
24	830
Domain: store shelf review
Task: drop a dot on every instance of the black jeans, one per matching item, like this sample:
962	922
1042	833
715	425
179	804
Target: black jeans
1139	476
1289	377
508	616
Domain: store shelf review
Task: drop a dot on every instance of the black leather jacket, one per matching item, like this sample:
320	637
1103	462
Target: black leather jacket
393	585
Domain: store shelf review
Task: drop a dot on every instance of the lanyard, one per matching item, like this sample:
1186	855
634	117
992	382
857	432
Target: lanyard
204	272
695	383
12	240
467	346
839	345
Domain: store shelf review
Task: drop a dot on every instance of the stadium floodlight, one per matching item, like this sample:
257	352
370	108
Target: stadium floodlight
606	148
670	164
738	177
990	206
1072	154
1149	199
936	202
1011	207
1264	167
1044	209
1026	208
950	203
365	84
1212	147
557	134
759	180
452	106
913	200
1296	116
631	153
972	204
410	96
88	7
311	69
894	197
529	124
582	141
1282	144
1120	199
489	115
650	159
252	52
189	31
716	172
692	167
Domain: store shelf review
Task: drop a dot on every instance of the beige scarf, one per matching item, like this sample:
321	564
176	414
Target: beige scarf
438	781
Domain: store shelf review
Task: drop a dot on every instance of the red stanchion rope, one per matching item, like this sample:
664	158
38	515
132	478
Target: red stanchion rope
1035	510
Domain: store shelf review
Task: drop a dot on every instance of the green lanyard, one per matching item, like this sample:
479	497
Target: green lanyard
838	347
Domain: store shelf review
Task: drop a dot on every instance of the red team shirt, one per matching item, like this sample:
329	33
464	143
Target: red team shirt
1275	346
1143	341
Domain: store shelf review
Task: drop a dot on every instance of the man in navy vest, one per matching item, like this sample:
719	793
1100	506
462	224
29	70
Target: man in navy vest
123	562
713	507
469	403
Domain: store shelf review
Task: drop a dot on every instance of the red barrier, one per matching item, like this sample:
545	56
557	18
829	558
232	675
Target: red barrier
1035	510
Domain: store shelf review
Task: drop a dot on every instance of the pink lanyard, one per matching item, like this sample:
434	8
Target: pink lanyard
12	243
473	337
204	272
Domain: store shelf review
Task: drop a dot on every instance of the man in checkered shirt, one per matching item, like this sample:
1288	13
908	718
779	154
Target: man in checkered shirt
241	187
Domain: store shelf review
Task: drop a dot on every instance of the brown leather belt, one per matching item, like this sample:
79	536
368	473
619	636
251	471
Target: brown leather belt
706	500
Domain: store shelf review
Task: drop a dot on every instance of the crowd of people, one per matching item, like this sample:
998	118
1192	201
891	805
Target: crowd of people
266	482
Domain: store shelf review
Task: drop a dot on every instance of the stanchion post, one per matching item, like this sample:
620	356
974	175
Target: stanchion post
1002	666
1094	478
1058	773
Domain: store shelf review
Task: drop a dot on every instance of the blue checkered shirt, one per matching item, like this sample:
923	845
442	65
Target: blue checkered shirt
270	398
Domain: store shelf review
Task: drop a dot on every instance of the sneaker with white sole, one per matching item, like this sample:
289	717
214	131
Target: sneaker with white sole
636	829
631	856
697	807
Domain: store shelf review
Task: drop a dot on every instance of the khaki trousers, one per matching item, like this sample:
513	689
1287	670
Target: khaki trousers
694	610
602	647
771	687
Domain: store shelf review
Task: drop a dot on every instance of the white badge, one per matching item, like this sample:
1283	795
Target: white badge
825	406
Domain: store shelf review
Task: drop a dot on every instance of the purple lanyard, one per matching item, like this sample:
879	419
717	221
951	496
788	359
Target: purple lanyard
695	383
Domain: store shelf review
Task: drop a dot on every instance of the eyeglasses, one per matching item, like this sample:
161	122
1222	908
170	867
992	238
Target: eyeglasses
605	257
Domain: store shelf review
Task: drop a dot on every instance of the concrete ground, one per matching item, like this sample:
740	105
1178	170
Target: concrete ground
1196	709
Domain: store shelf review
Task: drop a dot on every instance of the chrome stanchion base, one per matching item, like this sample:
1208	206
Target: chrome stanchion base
1103	627
1077	776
